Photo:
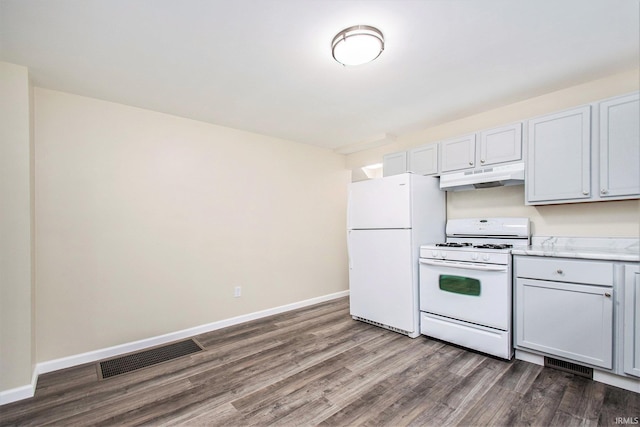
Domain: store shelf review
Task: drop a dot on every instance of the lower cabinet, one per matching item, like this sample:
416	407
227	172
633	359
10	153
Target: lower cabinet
631	328
563	317
572	321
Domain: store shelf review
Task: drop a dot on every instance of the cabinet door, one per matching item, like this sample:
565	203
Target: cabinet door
620	146
632	321
501	145
424	160
394	163
458	153
559	156
567	320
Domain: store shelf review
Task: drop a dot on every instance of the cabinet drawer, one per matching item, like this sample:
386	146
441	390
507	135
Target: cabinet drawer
565	270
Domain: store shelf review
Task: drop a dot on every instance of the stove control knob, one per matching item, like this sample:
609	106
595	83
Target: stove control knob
485	257
434	253
443	254
474	256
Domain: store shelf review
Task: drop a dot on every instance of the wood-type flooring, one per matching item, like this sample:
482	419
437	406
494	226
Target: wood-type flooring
317	366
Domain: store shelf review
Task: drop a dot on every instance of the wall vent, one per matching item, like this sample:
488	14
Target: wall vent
142	359
573	368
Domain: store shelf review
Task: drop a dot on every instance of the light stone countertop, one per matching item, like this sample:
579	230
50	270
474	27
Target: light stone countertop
600	248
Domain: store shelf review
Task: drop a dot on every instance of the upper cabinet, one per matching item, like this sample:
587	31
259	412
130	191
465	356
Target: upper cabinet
501	145
394	163
589	153
559	156
423	160
620	147
489	147
458	153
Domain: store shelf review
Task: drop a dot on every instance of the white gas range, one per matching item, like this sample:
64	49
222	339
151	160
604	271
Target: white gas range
466	284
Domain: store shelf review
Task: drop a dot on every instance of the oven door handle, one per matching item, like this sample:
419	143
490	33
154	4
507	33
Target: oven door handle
465	266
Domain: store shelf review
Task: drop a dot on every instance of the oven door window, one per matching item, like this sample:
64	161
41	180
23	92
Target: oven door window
460	285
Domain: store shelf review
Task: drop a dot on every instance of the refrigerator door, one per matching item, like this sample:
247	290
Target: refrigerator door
380	203
381	279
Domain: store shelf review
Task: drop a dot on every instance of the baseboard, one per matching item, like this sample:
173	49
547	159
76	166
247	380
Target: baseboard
27	391
627	383
22	392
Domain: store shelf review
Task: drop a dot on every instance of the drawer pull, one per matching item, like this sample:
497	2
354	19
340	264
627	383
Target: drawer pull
559	271
607	294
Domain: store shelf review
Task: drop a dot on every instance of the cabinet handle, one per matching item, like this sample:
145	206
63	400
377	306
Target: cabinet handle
559	271
471	163
586	193
482	161
603	191
607	294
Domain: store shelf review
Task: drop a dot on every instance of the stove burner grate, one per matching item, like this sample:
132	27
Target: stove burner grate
453	245
493	246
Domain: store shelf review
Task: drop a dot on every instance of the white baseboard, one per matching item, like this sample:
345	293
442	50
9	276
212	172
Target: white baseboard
627	383
22	392
27	391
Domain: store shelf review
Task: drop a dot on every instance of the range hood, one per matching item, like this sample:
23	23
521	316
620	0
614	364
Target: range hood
497	176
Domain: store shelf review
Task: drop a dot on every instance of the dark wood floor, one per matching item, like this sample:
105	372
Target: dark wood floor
317	366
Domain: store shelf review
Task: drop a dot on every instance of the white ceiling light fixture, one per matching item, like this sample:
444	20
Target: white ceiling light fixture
357	45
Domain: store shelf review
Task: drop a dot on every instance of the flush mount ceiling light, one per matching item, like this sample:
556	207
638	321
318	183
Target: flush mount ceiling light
357	45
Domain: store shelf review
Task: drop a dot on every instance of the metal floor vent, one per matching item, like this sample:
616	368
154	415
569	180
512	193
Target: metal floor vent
561	365
145	358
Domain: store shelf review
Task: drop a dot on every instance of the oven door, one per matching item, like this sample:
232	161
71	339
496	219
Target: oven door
471	292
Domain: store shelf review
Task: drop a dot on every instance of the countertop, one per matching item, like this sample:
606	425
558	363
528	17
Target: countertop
598	248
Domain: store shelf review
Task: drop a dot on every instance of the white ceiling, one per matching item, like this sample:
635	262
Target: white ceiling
265	66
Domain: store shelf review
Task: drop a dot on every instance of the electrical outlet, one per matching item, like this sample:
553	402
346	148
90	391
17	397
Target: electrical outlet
237	291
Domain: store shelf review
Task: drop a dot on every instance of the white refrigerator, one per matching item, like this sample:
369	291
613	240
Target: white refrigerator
388	219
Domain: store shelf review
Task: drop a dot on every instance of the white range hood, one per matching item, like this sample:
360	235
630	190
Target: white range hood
497	176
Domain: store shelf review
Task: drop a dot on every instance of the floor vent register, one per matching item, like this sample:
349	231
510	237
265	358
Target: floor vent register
145	358
573	368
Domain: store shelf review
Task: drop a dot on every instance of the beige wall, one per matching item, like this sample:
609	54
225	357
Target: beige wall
146	222
16	237
615	219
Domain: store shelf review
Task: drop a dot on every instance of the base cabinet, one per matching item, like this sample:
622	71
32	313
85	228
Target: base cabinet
631	328
569	320
565	308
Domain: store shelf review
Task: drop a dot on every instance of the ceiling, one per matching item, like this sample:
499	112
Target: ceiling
265	66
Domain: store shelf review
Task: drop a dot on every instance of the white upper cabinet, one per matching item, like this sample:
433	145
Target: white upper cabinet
501	145
559	157
458	153
486	148
394	163
586	154
620	146
424	160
